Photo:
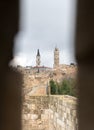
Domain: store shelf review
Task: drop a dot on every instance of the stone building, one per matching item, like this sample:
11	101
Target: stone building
56	57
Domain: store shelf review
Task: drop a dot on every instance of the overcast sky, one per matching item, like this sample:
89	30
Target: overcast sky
45	24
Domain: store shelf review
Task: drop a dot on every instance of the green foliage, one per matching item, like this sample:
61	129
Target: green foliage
53	87
66	87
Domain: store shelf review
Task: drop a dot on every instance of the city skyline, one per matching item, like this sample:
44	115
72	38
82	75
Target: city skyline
44	25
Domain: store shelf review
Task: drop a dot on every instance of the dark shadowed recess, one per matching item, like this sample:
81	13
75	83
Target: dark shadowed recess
85	59
10	81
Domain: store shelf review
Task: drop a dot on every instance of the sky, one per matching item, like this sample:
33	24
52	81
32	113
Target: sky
43	25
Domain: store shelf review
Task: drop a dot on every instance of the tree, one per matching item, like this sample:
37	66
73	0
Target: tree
68	87
65	87
53	87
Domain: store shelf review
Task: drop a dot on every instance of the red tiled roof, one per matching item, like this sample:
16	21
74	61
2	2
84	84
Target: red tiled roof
41	67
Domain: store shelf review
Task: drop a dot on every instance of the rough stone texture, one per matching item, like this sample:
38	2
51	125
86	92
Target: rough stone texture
49	113
62	111
35	113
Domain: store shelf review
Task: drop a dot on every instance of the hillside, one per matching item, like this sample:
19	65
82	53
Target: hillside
36	83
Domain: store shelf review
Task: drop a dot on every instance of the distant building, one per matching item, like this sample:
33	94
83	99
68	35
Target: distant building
56	57
38	58
38	68
41	69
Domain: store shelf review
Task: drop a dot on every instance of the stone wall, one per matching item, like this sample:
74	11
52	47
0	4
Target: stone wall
35	113
49	113
62	113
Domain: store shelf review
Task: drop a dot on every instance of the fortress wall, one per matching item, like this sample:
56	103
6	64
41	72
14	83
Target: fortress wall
49	113
35	114
62	113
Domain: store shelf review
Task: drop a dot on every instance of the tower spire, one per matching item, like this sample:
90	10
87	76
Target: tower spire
38	53
38	58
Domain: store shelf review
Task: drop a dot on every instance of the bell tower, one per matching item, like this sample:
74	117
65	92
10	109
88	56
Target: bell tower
38	58
56	57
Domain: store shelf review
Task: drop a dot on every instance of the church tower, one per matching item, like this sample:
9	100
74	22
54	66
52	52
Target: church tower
38	58
56	57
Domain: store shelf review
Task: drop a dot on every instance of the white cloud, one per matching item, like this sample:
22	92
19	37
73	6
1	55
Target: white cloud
45	24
